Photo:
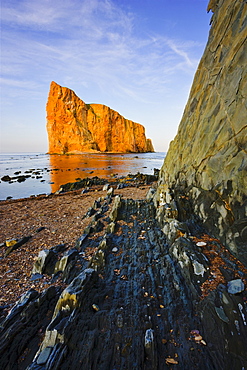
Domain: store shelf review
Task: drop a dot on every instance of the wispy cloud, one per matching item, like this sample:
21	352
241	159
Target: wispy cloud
87	41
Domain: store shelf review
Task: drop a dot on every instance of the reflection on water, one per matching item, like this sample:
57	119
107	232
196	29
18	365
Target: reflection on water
68	168
43	169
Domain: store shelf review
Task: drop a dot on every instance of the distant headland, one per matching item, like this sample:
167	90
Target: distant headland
76	127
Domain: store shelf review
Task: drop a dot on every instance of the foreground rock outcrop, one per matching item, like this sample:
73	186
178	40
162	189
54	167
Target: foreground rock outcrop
207	161
135	298
75	127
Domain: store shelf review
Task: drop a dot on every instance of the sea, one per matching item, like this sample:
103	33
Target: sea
44	173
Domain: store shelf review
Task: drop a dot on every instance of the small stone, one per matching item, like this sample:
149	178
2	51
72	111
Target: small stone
198	268
198	338
10	242
201	244
171	361
95	307
115	249
235	286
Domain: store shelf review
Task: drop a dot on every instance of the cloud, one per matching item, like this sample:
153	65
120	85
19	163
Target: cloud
90	42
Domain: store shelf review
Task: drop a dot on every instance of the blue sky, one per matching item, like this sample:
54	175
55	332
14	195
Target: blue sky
136	56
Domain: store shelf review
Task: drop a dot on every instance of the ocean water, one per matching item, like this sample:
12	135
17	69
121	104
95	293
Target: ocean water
48	172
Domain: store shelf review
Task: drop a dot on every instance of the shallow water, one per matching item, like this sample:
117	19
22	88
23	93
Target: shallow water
49	172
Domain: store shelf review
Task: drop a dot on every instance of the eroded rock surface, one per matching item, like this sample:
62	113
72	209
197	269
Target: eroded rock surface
207	161
139	300
75	127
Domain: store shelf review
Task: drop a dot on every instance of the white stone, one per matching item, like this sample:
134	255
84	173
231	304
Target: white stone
201	244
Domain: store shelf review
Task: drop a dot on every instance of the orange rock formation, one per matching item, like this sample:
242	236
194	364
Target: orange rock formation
75	127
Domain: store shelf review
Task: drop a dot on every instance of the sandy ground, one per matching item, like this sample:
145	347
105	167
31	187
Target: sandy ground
62	219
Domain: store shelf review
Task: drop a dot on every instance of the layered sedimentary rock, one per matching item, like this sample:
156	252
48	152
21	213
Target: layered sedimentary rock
207	160
75	127
134	298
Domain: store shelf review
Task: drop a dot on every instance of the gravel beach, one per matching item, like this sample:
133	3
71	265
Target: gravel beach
50	221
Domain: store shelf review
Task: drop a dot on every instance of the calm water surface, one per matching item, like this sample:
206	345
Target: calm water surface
48	172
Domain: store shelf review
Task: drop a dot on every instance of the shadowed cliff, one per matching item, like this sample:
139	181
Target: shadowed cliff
207	161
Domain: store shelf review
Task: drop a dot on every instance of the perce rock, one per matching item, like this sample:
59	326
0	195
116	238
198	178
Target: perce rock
76	127
207	161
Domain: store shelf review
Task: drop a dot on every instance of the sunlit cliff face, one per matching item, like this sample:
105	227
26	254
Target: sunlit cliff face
76	127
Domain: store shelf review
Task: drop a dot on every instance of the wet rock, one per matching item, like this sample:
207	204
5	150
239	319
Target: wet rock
23	178
6	178
84	183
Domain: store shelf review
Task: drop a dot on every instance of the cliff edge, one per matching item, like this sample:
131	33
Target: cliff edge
75	127
207	160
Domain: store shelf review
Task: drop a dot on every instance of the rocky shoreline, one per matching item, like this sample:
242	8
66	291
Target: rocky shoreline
106	284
